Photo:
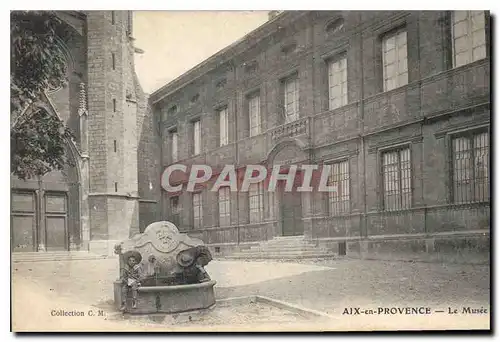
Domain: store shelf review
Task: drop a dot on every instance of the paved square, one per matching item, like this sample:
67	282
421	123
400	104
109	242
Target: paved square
329	286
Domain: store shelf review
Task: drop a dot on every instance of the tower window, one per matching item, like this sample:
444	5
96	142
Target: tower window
113	60
114	142
116	186
114	105
112	17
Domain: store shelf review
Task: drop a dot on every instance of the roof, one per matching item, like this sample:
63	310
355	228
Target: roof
226	54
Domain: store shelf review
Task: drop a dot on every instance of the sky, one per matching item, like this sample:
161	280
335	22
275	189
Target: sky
175	41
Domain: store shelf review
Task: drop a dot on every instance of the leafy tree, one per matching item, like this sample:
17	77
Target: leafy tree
37	64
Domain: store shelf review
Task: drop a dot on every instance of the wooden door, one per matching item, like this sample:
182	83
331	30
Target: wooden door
291	213
56	221
23	221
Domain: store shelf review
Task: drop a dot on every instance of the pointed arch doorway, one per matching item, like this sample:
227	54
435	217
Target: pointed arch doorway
45	212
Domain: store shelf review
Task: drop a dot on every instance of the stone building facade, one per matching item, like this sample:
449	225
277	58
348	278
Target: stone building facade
397	102
99	197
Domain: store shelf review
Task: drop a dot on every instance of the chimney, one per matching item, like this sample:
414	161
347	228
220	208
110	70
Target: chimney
272	14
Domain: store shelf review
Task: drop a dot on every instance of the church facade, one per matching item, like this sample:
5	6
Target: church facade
99	197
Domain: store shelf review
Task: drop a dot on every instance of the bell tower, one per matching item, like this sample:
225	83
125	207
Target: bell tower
112	129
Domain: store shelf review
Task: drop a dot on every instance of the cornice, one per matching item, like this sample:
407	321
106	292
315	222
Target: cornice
225	55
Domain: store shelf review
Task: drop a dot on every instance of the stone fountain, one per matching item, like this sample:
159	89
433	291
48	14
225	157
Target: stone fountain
162	271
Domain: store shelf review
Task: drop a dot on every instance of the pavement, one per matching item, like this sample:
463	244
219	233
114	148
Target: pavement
343	289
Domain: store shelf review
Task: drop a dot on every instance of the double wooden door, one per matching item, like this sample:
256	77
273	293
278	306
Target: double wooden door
39	221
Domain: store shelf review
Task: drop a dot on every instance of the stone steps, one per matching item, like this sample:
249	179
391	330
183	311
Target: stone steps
54	256
282	248
292	247
281	256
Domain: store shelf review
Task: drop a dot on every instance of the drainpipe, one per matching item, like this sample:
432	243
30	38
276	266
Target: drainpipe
362	110
236	147
160	136
310	122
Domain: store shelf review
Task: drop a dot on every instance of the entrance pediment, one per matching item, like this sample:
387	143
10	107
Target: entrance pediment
287	153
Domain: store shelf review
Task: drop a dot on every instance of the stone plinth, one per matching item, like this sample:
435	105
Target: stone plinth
169	299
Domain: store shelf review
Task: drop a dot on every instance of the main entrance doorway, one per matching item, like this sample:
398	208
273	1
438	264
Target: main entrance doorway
291	213
285	154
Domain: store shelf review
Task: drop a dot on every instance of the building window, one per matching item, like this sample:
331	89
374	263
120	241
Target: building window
114	145
114	105
339	200
254	114
335	26
164	114
469	37
223	127
173	110
396	172
113	17
196	137
195	98
256	202
224	207
471	168
129	22
174	147
116	186
395	60
250	67
337	83
197	211
220	84
113	60
175	210
291	97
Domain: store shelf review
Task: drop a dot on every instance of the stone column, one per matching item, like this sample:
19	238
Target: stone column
84	171
307	213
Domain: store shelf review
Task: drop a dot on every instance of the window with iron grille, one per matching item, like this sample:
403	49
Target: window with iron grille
254	114
395	60
256	202
223	127
470	164
224	207
197	211
337	82
174	140
469	37
339	200
396	175
291	103
175	210
196	137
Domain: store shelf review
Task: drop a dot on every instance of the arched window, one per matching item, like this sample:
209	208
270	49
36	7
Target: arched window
250	67
335	26
172	110
195	98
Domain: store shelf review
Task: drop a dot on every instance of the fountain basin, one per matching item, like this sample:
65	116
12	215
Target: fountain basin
168	299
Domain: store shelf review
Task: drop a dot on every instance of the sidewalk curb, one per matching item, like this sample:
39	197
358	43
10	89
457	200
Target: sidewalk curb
310	313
